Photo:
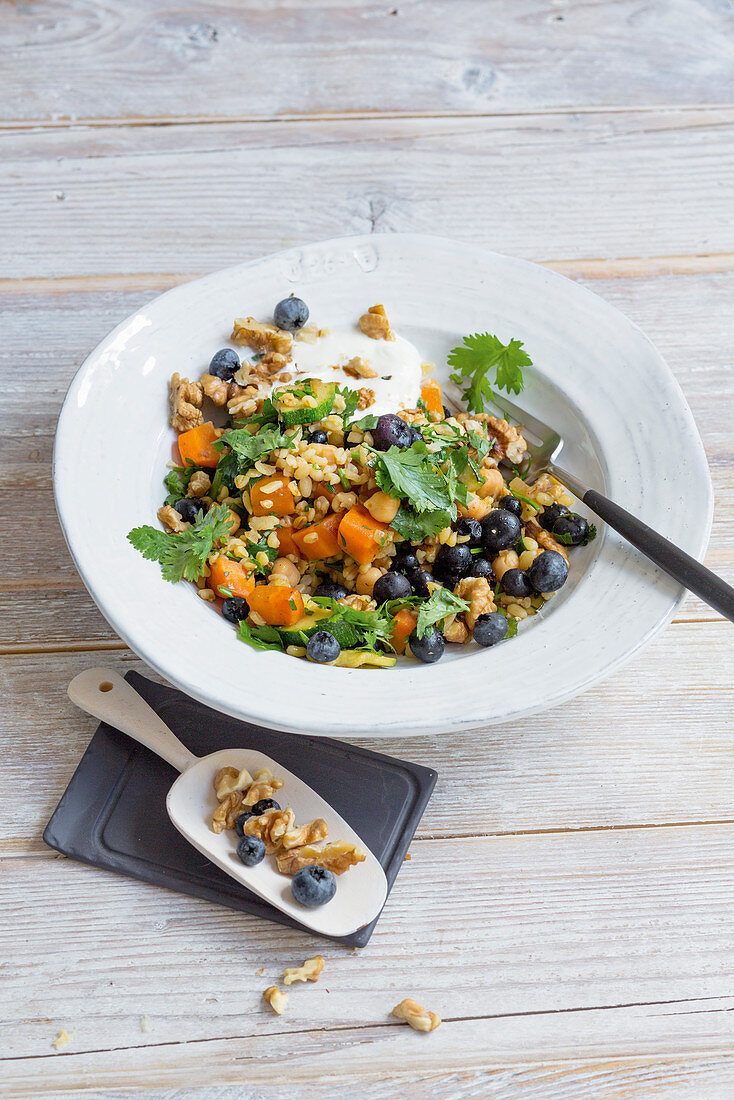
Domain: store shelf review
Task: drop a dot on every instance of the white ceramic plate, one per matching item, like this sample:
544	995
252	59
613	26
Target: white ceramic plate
597	378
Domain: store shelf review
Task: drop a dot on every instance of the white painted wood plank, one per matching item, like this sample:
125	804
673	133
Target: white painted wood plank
612	943
188	198
651	746
266	59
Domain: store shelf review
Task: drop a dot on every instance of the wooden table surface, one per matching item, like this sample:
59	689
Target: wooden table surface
569	905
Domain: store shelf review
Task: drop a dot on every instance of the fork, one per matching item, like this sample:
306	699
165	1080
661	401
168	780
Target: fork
668	557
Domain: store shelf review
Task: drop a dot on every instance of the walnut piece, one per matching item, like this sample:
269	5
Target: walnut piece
359	368
270	827
61	1040
261	337
478	594
419	1018
228	779
186	401
311	833
278	1001
366	397
338	857
456	632
264	785
510	444
273	362
215	388
309	972
171	519
199	484
227	812
311	332
374	323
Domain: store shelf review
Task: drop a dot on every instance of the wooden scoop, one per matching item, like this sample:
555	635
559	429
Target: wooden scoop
360	892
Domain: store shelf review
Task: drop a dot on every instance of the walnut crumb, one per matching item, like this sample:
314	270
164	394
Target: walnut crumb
215	389
359	368
308	972
419	1018
374	323
171	519
61	1040
260	971
278	1001
311	332
337	857
366	397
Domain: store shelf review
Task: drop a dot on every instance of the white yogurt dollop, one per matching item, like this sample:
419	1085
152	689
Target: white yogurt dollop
397	362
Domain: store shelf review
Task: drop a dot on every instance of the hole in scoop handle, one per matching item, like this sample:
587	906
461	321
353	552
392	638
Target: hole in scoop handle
105	695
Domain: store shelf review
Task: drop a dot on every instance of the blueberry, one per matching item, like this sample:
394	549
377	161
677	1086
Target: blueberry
290	314
313	886
263	806
549	515
430	647
482	568
452	563
415	435
500	530
516	582
571	529
490	629
390	431
239	822
511	504
323	647
391	586
235	609
188	508
404	561
419	579
548	572
251	850
225	364
332	590
471	529
317	436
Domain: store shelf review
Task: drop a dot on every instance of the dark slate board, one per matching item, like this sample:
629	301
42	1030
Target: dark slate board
113	813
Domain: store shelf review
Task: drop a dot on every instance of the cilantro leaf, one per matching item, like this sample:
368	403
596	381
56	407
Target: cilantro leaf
177	482
366	424
227	469
261	637
418	526
409	474
351	401
371	627
183	554
249	448
474	359
441	603
565	538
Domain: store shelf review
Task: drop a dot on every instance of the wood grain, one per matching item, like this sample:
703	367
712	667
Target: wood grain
266	60
556	771
555	187
609	944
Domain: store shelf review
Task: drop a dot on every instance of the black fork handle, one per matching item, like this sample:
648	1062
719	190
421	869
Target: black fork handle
685	569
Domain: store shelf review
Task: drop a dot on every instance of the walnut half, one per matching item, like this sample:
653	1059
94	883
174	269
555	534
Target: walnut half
186	401
337	857
261	337
419	1018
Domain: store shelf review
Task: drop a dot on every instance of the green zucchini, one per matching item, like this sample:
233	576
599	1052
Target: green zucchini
318	619
293	408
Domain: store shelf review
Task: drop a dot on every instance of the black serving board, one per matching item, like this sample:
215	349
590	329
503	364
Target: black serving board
113	813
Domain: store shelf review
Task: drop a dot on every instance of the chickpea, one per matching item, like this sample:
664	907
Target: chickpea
508	559
494	484
366	581
382	507
285	569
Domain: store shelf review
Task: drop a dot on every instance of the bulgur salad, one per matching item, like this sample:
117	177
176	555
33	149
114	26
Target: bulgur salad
342	513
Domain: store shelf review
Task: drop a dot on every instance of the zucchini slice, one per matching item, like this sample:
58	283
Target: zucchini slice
295	405
318	619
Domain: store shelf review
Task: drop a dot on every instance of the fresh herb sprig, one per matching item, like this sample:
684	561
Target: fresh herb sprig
182	555
476	357
441	603
177	482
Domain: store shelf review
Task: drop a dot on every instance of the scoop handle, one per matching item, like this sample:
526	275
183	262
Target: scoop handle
105	695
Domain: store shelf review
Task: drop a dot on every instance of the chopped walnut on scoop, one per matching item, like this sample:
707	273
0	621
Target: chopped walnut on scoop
271	827
186	401
308	972
264	785
311	833
374	323
337	857
278	1001
261	337
229	779
419	1018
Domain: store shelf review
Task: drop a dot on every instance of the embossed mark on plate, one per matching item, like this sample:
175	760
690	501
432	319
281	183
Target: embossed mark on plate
304	267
